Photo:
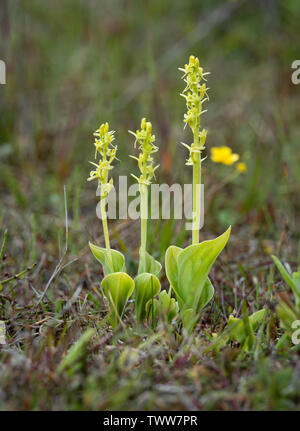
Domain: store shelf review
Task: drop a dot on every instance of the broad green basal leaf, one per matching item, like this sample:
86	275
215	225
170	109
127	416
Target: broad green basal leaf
171	263
151	266
172	274
194	264
207	294
146	287
187	271
189	319
101	254
190	316
117	287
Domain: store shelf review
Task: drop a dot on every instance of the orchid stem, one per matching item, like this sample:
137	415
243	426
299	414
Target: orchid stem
196	190
144	217
105	230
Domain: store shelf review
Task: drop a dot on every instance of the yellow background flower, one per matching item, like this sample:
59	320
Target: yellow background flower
241	167
223	155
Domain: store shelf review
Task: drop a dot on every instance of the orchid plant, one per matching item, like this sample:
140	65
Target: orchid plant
117	284
147	284
187	269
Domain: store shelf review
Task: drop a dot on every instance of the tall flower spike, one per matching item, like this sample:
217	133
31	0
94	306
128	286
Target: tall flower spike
107	151
195	94
147	148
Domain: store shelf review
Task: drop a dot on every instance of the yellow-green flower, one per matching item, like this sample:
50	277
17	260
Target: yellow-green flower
195	94
224	155
107	151
147	148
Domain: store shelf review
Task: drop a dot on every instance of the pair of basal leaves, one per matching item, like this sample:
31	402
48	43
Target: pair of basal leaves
118	286
187	271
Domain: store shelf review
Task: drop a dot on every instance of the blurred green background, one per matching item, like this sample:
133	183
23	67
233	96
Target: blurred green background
73	64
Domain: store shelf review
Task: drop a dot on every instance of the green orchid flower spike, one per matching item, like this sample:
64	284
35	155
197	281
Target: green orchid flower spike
188	269
147	284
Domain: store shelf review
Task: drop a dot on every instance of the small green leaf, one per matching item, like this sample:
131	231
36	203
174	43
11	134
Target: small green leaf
286	315
285	275
76	351
283	342
292	280
257	318
171	263
117	287
248	329
101	254
165	307
146	286
235	327
296	280
152	266
241	330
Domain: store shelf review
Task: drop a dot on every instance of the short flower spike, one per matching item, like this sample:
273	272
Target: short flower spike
107	151
147	148
195	94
